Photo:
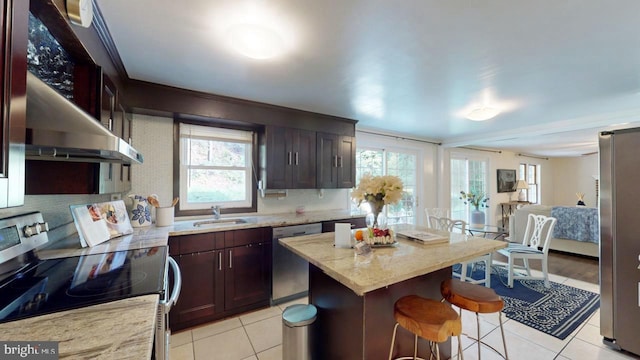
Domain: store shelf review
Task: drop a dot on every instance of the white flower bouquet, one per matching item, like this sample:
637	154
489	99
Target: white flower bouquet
383	190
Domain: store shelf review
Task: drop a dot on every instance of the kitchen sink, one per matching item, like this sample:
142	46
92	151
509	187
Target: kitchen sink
230	221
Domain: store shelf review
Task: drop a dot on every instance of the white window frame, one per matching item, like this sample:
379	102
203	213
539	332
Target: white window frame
191	131
535	184
455	193
384	143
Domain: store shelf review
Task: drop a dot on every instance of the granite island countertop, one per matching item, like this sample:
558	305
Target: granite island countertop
94	332
387	265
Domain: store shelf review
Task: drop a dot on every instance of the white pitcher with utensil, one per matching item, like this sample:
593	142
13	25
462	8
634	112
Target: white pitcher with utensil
140	214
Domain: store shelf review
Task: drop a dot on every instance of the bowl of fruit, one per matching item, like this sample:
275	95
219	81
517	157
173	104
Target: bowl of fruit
375	237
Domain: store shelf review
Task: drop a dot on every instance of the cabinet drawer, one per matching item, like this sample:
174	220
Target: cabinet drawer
187	244
246	237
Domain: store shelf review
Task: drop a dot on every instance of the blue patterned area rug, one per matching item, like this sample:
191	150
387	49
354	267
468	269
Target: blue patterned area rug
556	311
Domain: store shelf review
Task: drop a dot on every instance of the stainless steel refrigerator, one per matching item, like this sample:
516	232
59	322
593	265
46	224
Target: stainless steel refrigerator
620	239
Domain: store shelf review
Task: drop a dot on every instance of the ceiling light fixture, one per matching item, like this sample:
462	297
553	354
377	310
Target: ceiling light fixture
482	114
256	41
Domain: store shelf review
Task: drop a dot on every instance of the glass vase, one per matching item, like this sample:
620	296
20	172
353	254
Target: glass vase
477	217
376	218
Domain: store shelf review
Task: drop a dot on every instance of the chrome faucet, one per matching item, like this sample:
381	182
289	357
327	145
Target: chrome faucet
216	211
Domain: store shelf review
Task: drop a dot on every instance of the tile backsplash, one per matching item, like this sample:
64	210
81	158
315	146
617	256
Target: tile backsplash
55	211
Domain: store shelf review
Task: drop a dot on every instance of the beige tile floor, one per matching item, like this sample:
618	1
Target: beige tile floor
258	336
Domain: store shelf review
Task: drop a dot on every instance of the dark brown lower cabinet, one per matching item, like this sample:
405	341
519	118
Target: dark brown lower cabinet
202	291
248	275
223	274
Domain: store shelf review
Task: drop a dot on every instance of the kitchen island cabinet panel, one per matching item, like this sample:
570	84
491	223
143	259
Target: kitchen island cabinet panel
339	306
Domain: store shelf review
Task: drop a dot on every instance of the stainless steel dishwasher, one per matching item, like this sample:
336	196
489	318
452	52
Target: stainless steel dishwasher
290	276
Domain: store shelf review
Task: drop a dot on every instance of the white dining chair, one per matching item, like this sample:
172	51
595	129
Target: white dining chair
446	224
437	212
535	245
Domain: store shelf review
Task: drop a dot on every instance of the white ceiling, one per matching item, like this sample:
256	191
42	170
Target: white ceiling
560	70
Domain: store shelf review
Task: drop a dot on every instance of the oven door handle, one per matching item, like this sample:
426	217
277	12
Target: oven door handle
177	284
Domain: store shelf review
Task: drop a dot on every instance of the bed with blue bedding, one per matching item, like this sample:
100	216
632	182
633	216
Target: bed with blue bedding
577	222
577	230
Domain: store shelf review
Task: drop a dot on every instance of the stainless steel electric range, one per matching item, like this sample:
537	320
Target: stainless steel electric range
30	286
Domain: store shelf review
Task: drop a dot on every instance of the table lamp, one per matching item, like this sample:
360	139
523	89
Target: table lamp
521	185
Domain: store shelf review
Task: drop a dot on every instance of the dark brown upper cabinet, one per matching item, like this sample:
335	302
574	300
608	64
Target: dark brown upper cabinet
290	158
335	161
14	24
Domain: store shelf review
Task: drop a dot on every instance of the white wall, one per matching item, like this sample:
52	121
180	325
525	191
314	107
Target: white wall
572	175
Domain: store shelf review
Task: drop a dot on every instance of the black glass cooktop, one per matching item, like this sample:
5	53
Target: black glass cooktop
61	284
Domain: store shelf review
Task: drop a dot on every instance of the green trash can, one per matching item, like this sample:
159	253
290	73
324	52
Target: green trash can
295	331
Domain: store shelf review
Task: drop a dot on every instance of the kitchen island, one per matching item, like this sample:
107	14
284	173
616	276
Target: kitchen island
355	294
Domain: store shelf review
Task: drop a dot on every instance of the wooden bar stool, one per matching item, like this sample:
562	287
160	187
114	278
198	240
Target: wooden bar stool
476	298
432	320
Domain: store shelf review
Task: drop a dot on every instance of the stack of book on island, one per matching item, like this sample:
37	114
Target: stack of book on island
423	236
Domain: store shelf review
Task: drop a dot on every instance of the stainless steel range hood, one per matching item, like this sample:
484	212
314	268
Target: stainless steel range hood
59	130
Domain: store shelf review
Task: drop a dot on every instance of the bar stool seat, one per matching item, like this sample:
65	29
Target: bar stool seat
476	298
429	319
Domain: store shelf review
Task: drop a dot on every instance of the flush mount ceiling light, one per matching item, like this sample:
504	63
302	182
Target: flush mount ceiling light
256	41
482	114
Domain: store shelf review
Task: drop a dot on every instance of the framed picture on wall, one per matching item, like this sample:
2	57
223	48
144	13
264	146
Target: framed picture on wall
506	180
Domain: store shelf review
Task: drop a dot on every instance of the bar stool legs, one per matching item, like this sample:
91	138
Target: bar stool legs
431	320
478	299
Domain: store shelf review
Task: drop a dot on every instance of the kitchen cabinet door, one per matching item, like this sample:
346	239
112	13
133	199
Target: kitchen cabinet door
304	159
290	158
247	275
335	161
277	166
109	173
327	161
202	295
13	53
346	177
